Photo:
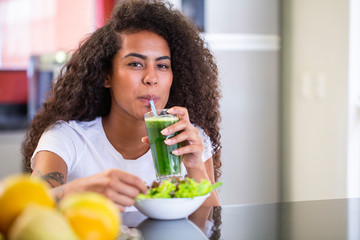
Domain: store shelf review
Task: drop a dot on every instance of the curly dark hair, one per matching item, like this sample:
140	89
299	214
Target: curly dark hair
79	94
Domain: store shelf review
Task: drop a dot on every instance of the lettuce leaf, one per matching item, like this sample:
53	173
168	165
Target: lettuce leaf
176	188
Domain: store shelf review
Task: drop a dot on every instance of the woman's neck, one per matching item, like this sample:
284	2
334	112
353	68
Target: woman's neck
125	136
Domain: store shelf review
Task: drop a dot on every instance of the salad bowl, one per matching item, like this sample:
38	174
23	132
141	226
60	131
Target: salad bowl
169	208
174	198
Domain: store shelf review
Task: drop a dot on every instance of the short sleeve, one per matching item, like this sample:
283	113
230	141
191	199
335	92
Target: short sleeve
58	140
208	150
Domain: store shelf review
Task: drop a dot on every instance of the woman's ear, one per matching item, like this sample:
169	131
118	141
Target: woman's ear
107	82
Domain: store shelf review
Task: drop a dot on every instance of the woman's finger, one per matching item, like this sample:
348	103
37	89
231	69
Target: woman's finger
180	111
193	148
125	189
121	199
182	125
185	136
131	180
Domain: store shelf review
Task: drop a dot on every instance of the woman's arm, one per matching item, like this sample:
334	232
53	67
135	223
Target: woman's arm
119	186
208	174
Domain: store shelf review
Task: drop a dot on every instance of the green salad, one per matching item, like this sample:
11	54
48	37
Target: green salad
179	188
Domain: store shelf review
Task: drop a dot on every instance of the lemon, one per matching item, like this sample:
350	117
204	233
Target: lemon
41	223
92	216
16	192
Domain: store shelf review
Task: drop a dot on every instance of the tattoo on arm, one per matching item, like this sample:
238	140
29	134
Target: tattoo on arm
52	178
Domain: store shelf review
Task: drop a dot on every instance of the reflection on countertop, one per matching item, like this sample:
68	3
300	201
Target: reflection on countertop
202	224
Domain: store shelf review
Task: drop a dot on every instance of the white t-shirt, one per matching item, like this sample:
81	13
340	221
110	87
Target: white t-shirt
86	151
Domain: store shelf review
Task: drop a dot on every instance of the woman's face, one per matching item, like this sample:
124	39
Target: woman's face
141	71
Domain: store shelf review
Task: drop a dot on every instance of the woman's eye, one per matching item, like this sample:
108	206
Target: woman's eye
163	66
135	64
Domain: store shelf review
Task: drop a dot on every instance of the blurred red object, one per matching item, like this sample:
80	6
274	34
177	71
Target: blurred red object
13	87
103	11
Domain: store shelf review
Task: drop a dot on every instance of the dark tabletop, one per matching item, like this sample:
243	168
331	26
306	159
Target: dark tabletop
336	219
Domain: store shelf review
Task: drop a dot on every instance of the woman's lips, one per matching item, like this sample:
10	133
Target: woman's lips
146	99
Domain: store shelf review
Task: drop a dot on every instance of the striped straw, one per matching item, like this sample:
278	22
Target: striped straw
153	108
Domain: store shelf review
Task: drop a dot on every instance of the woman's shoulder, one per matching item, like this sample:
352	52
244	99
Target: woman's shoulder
76	125
75	129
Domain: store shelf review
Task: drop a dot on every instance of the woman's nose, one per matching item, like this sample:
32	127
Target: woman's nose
150	78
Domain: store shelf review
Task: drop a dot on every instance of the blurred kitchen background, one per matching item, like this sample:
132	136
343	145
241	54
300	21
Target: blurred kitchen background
290	85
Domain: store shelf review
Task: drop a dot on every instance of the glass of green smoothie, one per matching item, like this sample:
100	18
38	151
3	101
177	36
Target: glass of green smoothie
166	164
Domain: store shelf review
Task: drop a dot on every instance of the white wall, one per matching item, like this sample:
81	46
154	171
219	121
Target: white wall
315	83
249	128
244	37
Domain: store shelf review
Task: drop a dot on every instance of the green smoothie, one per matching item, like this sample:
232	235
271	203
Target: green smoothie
166	163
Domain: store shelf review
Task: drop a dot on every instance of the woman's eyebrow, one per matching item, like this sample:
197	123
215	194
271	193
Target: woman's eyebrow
161	58
138	55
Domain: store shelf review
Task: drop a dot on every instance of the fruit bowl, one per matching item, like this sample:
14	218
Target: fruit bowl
169	208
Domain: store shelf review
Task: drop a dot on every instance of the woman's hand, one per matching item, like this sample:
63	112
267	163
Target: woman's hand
191	143
119	186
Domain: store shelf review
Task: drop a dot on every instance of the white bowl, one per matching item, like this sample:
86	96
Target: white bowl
169	208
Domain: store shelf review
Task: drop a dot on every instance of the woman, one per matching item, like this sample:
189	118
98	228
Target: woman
90	134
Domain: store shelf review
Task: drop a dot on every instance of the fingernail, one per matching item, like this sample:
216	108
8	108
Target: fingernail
168	141
164	131
175	152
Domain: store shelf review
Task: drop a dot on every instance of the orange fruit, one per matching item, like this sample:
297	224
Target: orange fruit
16	192
92	216
41	223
